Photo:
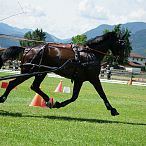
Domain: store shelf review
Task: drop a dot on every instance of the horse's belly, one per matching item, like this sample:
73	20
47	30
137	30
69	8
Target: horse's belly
72	72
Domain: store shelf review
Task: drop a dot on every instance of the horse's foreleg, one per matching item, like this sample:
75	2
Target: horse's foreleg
12	84
76	90
97	85
36	86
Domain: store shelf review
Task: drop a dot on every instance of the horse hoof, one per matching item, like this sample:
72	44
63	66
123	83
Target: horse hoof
57	105
114	112
50	103
2	99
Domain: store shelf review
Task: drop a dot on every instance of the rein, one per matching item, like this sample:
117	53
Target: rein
100	52
103	53
88	48
51	69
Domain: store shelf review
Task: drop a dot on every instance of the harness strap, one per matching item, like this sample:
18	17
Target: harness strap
77	53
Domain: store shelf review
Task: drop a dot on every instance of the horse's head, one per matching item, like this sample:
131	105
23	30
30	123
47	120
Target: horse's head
118	45
109	41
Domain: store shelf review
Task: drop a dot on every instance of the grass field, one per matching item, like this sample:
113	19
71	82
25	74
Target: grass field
84	122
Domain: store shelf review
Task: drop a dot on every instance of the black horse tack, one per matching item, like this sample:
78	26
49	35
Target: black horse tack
79	64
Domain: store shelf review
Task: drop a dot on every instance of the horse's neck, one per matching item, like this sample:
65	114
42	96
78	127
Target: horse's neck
100	50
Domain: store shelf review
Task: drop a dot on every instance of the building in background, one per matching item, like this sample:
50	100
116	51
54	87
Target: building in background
136	63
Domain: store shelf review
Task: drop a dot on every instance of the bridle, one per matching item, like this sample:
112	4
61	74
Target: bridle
94	50
103	53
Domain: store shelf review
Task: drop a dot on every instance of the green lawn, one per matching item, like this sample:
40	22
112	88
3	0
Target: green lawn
84	122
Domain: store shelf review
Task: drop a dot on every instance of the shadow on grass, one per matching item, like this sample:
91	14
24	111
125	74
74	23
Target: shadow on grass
66	118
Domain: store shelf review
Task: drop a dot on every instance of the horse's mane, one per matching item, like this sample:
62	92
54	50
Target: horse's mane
100	38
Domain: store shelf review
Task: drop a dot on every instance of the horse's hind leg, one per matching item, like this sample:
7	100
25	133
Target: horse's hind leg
36	86
11	85
76	90
97	85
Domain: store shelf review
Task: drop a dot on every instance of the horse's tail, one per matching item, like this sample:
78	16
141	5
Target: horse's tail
1	61
11	53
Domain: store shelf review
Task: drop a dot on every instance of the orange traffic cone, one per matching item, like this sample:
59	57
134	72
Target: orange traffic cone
43	103
130	82
5	85
59	87
37	100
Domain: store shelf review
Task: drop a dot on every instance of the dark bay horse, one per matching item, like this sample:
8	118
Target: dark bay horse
78	63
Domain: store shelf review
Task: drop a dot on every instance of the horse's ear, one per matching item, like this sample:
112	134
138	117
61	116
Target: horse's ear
124	36
118	35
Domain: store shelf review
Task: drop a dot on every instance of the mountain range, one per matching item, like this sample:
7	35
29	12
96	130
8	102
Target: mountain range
137	39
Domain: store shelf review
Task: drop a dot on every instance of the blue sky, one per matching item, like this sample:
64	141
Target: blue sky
67	18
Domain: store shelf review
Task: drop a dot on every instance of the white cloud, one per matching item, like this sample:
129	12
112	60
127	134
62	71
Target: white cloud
91	10
66	18
34	11
8	8
140	1
137	15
